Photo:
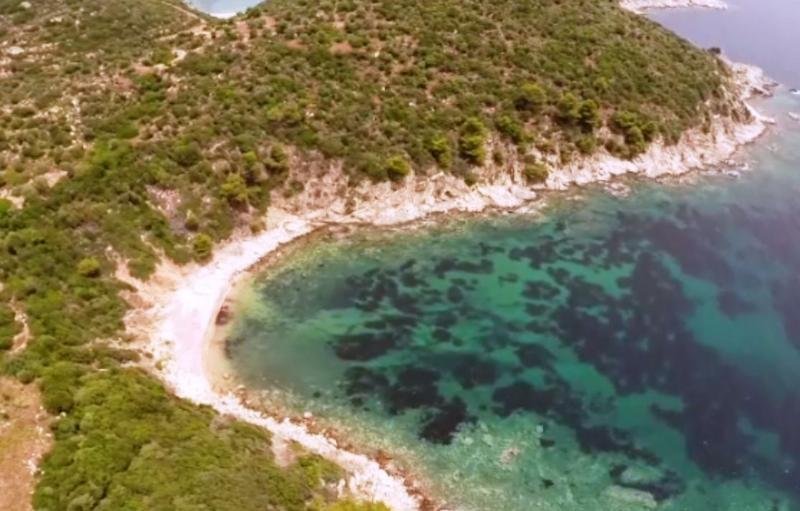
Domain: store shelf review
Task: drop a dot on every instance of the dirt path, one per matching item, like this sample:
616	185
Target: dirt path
24	438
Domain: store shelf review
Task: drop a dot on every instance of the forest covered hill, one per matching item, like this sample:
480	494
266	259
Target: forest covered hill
132	130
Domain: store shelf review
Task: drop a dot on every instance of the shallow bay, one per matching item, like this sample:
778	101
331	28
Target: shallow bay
619	352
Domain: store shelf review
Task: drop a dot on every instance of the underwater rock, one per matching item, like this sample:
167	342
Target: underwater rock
659	483
546	443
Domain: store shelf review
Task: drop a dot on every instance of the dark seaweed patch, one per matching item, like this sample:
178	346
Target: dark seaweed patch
535	255
451	264
360	381
454	294
560	275
362	347
441	335
415	388
522	395
440	426
400	322
446	319
509	278
540	290
691	249
786	297
405	303
473	371
534	355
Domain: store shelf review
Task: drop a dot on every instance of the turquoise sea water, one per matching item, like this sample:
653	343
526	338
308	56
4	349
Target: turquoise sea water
608	353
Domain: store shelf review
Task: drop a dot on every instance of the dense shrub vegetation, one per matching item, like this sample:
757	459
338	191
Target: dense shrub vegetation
136	128
127	444
9	327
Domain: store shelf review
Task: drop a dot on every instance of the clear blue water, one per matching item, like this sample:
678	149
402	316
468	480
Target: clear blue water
609	353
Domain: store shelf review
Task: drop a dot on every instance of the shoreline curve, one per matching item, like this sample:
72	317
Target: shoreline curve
173	314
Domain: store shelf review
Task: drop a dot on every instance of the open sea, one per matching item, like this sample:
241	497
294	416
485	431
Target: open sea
611	352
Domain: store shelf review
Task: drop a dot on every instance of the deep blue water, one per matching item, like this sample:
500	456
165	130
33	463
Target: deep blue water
763	32
608	353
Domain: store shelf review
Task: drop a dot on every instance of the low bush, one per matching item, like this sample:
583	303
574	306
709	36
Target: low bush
397	168
536	172
202	247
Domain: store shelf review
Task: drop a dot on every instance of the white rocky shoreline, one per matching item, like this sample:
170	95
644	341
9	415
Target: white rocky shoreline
639	6
173	313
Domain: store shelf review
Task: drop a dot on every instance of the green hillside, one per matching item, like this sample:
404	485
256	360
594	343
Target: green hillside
108	106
